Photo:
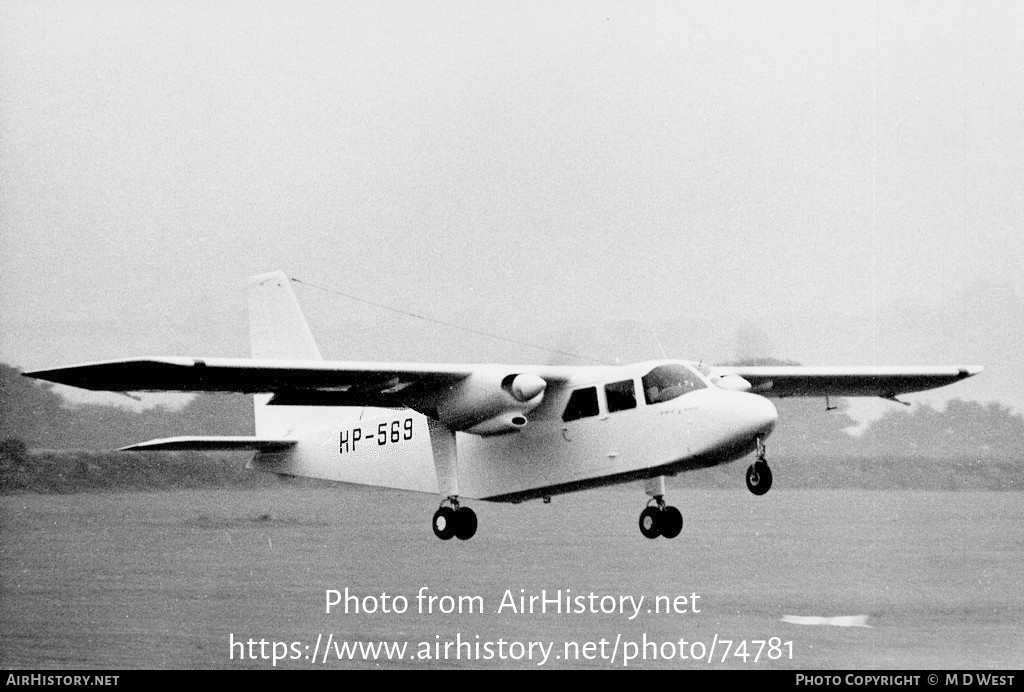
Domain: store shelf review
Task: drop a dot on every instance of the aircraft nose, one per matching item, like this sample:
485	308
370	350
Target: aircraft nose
758	414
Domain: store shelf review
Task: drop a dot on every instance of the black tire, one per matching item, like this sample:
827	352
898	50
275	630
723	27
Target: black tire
649	522
671	522
759	478
444	523
464	523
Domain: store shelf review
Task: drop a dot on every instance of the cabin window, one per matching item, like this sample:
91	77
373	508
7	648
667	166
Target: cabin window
621	395
582	404
666	382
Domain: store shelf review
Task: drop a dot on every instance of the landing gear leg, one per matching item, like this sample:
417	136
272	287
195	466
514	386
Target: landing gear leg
659	519
455	520
759	476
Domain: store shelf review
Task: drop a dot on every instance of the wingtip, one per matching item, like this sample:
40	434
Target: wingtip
63	375
46	374
970	370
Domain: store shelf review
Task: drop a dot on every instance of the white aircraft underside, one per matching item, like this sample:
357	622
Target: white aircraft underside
489	432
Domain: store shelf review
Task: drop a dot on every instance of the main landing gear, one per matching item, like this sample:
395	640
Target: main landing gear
660	519
759	476
455	521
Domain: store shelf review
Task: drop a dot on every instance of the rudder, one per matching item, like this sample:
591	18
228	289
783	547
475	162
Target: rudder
278	330
277	327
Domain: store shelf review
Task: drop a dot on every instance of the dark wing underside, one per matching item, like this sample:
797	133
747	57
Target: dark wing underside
787	381
291	382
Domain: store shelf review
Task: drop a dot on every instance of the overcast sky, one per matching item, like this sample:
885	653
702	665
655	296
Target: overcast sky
831	182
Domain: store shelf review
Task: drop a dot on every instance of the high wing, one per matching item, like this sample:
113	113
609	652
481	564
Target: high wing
343	383
335	383
462	396
887	382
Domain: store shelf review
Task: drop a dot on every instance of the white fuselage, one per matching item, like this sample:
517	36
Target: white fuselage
547	456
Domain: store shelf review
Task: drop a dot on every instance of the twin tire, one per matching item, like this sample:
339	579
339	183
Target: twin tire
661	521
449	522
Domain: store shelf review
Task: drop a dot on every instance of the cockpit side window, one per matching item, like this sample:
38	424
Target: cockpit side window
582	404
666	382
620	395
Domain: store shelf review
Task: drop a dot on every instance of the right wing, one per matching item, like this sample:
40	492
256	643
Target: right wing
886	381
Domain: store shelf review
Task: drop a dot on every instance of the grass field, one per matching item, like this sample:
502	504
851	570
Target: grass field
165	579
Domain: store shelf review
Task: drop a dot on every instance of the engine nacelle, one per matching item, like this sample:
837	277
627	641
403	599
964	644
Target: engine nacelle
524	387
732	382
499	425
491	403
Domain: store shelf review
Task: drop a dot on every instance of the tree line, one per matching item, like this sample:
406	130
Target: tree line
30	411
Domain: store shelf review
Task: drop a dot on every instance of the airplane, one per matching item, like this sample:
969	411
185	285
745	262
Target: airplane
488	432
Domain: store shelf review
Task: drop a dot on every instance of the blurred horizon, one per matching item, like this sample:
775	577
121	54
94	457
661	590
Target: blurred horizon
830	184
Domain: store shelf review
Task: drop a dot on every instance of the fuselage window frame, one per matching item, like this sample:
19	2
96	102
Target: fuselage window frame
620	395
582	404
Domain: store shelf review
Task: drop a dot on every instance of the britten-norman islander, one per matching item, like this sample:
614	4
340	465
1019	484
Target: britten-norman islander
499	433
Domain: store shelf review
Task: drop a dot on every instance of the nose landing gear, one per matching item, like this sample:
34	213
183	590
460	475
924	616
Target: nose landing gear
660	519
759	476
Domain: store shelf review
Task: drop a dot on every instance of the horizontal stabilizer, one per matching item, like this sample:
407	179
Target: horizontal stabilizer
212	444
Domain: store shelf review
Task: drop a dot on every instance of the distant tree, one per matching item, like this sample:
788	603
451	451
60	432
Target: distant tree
33	413
13	451
29	409
13	463
110	427
966	429
805	427
217	414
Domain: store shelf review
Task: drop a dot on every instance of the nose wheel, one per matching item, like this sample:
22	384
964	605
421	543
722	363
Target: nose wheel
456	520
660	519
759	476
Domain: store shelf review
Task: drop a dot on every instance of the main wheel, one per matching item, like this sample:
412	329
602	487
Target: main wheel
670	522
759	478
445	523
649	522
464	523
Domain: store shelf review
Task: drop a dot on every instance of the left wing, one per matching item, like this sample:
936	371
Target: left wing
376	381
475	398
884	381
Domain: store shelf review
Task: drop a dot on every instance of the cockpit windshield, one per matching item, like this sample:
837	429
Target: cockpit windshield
666	382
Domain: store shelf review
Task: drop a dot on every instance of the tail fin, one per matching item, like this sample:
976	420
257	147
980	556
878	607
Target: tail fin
278	330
